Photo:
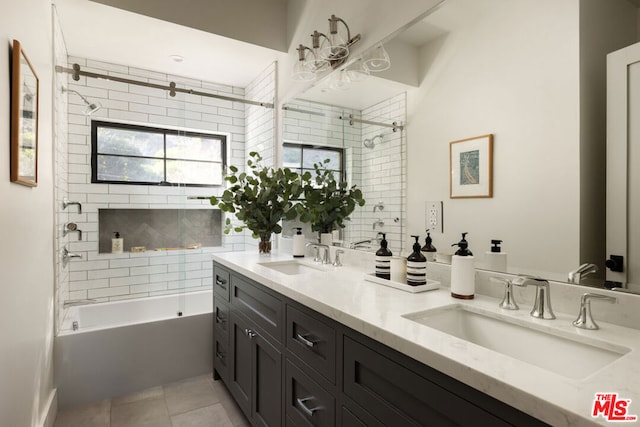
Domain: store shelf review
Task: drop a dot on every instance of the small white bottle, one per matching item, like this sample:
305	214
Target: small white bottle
496	259
462	271
117	243
298	243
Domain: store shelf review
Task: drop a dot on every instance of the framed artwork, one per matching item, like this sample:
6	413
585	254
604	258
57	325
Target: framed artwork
471	165
24	119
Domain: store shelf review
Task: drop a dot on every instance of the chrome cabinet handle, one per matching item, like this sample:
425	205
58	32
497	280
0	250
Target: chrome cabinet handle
305	408
220	319
221	282
305	341
220	356
250	333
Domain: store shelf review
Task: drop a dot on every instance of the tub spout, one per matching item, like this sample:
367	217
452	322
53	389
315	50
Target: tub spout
74	302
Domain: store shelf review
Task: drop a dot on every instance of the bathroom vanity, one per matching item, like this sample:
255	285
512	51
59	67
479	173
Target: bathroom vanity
308	344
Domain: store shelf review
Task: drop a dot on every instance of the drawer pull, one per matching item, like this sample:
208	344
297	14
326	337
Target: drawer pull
250	333
220	319
305	408
220	356
306	341
221	282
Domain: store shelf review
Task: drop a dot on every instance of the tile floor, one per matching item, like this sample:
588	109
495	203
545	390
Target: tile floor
193	402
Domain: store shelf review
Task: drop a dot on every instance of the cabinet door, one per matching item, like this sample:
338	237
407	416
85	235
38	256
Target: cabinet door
260	306
221	359
240	371
267	385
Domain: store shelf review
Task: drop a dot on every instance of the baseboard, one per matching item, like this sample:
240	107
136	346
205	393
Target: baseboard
51	410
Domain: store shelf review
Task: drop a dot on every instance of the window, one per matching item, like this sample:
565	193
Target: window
301	158
131	154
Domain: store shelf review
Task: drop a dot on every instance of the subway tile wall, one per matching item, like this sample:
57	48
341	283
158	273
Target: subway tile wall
107	277
378	171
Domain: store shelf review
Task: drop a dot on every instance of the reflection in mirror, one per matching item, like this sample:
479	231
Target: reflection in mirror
475	67
368	151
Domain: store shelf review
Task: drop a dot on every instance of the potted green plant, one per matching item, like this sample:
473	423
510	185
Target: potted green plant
260	198
327	202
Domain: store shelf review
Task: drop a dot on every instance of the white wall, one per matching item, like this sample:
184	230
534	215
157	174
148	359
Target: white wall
513	72
26	257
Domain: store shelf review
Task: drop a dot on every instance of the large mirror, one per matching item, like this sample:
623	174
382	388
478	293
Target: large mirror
531	74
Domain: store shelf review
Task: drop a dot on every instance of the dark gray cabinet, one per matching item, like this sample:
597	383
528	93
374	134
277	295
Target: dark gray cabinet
286	364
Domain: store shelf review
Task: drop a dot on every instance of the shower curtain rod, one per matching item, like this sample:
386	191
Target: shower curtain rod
394	125
351	119
76	72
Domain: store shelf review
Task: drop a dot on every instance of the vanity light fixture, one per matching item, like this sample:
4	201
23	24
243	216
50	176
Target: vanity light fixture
326	51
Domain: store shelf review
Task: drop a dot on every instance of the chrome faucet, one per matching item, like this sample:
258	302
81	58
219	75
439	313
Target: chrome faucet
337	262
583	270
542	304
508	302
66	256
360	243
66	203
71	227
325	255
584	320
379	223
379	206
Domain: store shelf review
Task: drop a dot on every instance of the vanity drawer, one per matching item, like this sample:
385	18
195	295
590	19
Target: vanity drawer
221	359
307	404
221	320
398	396
313	341
221	283
260	306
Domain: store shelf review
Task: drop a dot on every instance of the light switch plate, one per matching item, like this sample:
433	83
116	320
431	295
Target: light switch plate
434	217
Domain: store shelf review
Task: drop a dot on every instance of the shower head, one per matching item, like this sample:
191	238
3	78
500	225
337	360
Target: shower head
371	143
92	107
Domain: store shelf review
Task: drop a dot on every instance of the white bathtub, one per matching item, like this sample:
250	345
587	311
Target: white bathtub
126	346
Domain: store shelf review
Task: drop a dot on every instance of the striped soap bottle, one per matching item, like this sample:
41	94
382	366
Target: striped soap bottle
416	266
383	259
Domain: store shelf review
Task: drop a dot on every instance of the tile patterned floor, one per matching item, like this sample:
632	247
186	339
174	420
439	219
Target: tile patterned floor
193	402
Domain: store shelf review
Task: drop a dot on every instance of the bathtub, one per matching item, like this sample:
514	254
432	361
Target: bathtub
126	346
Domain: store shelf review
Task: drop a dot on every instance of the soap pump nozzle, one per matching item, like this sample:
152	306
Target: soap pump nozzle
463	246
495	245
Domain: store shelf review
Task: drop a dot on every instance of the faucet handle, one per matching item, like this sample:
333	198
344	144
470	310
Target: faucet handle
337	262
584	319
508	301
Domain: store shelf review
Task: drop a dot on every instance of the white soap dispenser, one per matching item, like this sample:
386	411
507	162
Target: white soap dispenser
117	243
496	259
298	243
462	271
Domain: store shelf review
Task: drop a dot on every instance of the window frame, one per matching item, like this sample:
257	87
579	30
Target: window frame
303	146
96	124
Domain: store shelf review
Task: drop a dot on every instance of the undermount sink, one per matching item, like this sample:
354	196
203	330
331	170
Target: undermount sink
525	342
291	267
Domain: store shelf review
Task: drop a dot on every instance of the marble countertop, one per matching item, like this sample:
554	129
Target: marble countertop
342	294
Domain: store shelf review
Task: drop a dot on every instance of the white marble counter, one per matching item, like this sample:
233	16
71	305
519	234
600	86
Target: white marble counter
342	294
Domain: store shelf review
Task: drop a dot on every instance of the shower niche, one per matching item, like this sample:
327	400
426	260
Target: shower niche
160	229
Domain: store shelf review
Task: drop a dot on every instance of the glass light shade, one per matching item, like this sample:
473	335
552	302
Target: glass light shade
301	72
334	48
315	63
356	71
340	80
377	60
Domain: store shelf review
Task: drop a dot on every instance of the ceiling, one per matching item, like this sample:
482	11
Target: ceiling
104	33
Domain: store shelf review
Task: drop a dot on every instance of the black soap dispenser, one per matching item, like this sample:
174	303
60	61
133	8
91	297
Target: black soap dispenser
462	271
428	249
416	266
383	259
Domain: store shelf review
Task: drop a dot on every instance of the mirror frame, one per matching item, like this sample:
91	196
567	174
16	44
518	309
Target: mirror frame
21	117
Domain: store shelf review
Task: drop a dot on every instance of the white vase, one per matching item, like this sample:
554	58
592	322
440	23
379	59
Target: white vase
326	239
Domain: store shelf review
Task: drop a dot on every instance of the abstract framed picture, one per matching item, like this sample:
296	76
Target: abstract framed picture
471	166
24	119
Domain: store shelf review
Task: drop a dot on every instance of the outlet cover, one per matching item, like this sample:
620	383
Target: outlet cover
434	217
